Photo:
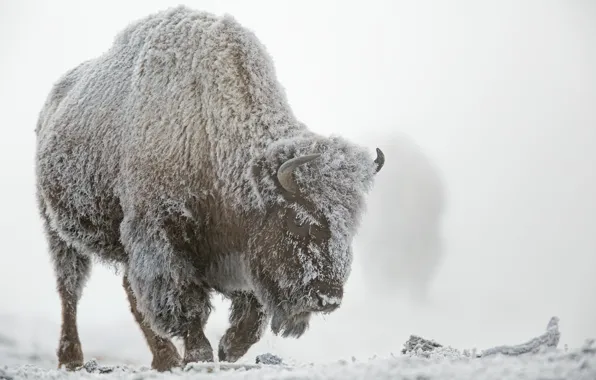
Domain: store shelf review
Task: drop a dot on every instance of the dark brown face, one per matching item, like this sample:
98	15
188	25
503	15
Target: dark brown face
300	254
306	229
292	260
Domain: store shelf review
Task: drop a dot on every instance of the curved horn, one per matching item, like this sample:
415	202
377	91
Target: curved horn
284	173
380	160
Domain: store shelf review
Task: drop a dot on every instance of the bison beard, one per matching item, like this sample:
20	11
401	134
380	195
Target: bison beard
289	325
176	156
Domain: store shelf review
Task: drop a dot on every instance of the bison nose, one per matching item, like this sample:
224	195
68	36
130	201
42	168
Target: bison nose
326	298
327	303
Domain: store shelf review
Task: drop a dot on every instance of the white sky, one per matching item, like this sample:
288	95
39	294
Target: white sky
500	94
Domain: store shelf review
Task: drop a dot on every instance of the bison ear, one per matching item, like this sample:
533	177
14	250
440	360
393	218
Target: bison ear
284	173
380	160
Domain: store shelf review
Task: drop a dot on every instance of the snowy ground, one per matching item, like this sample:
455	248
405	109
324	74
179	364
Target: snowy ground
362	340
532	359
570	365
573	364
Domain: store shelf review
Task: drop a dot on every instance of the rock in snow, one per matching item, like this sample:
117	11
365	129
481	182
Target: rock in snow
268	359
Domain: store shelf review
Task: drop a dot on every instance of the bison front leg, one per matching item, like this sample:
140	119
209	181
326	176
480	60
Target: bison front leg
248	322
166	279
196	345
175	310
165	355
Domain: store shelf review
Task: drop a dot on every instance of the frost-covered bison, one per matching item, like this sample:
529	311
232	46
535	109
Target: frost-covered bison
399	246
176	155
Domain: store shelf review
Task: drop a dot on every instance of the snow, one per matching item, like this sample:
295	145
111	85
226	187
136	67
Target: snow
450	364
537	358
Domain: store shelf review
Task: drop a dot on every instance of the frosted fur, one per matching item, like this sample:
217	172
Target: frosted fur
161	155
334	183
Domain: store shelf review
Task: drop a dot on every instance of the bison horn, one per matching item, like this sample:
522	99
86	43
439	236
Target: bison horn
380	160
284	173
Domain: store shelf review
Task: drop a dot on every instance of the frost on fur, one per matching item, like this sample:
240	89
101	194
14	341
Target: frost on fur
163	155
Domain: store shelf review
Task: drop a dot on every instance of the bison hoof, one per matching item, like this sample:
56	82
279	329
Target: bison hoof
70	355
71	365
230	349
166	358
198	355
227	357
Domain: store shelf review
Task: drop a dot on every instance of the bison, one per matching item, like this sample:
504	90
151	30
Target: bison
175	156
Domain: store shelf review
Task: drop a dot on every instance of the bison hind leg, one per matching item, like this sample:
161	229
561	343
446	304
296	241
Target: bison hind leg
248	321
72	270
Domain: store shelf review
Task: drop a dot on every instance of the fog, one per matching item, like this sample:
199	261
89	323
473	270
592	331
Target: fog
499	95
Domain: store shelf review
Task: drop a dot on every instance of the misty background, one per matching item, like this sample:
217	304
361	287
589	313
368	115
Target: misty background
500	96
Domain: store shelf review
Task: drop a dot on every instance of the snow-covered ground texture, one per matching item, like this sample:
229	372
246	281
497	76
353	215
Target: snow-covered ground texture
537	358
578	364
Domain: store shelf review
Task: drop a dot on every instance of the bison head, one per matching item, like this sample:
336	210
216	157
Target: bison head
312	194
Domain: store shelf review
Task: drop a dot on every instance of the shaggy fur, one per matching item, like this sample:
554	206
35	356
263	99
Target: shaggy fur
161	155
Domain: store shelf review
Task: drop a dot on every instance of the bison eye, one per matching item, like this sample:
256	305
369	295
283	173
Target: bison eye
297	226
